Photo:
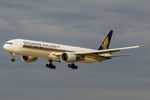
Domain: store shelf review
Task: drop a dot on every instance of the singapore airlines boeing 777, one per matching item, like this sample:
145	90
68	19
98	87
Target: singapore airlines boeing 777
31	50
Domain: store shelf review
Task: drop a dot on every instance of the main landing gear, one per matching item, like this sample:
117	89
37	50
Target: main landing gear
73	66
50	65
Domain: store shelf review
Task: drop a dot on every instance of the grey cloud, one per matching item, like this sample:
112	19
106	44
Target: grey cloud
81	23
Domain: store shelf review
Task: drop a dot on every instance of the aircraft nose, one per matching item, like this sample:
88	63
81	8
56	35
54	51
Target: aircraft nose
4	46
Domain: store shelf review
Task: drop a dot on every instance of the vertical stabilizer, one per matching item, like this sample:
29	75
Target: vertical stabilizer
106	43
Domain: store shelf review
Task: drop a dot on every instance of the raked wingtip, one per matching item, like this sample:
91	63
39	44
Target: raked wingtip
141	45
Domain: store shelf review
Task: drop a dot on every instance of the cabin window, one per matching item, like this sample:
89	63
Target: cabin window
9	43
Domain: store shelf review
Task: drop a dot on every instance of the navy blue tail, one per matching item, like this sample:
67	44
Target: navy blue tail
106	43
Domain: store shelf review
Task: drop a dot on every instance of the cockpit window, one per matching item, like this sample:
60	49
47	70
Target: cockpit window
9	43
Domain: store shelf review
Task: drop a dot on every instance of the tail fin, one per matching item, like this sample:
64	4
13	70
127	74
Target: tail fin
106	43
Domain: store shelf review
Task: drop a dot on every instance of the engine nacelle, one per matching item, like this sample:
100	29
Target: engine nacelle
68	57
28	59
54	56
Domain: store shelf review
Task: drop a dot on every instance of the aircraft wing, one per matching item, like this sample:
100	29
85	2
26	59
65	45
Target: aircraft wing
106	50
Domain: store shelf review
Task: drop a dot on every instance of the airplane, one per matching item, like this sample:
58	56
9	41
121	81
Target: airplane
30	51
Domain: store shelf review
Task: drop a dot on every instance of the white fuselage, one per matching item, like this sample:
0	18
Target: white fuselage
45	50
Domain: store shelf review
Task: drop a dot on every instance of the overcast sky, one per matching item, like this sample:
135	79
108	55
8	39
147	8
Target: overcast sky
82	23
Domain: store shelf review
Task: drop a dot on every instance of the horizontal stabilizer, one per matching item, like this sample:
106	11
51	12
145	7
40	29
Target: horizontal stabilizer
118	55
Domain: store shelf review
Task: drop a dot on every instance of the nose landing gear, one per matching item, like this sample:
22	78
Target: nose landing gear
13	58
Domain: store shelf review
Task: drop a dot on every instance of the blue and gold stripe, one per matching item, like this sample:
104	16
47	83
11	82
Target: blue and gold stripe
106	43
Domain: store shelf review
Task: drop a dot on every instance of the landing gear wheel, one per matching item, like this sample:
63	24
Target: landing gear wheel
73	66
50	65
53	67
69	65
12	59
47	65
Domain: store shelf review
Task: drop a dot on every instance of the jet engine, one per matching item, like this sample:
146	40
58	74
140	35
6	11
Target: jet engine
28	59
68	57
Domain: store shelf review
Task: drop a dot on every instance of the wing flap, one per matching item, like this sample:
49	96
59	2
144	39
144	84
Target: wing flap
117	56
